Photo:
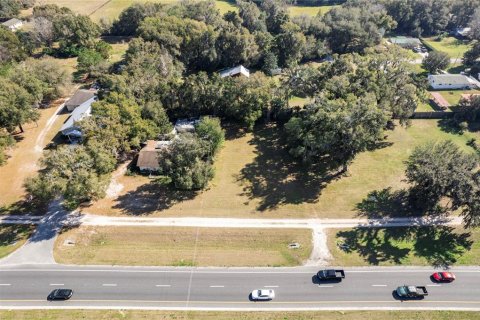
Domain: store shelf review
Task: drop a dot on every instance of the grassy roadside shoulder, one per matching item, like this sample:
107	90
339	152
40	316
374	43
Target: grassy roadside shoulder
164	246
13	237
188	315
432	246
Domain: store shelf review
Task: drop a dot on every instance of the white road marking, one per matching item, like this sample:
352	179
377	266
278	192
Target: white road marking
320	286
434	285
162	285
5	284
109	284
57	284
271	286
217	286
379	285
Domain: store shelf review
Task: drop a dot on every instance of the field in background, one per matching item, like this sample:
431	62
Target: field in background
199	315
255	177
13	237
163	246
111	9
435	246
309	11
454	47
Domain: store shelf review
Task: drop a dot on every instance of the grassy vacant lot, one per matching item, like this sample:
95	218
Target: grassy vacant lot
454	47
255	177
13	237
454	96
437	246
183	246
198	315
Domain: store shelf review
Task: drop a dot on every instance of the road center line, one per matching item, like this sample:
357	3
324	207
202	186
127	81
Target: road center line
271	286
5	284
434	285
217	286
162	285
109	284
379	285
57	284
320	286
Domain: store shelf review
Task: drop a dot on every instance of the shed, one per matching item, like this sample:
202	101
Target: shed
235	72
406	42
149	155
80	97
439	100
13	24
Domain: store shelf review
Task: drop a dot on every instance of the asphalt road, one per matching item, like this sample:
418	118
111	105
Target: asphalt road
229	288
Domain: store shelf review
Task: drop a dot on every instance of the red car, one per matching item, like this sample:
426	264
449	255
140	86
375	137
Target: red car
443	276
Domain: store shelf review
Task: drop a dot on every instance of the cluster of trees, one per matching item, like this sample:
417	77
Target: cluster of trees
355	99
188	161
23	87
60	31
11	8
436	61
441	170
430	17
471	58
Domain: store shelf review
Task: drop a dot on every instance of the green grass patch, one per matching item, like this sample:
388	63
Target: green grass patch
436	246
309	10
13	237
183	246
210	315
455	48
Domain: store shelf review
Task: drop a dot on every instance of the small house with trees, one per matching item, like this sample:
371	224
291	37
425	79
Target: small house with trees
149	155
406	42
79	98
13	24
235	72
452	82
70	128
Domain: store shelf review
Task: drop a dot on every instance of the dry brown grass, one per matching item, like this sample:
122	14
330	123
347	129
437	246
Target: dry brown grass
255	177
24	156
198	315
161	246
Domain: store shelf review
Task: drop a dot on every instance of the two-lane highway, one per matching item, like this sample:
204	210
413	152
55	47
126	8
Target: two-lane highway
229	288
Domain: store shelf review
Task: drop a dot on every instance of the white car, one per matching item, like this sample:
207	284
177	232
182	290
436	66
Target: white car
263	295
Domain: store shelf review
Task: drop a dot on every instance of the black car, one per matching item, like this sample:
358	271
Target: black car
60	294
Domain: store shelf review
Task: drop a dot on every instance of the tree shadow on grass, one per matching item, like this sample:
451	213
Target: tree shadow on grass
151	197
275	178
440	246
387	203
10	234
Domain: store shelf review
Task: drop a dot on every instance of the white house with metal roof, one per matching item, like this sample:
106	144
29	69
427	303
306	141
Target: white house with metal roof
452	81
70	128
235	72
13	24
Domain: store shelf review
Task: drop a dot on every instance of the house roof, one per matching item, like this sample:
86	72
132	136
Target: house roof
148	156
405	40
439	100
81	112
80	97
450	79
12	22
234	71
